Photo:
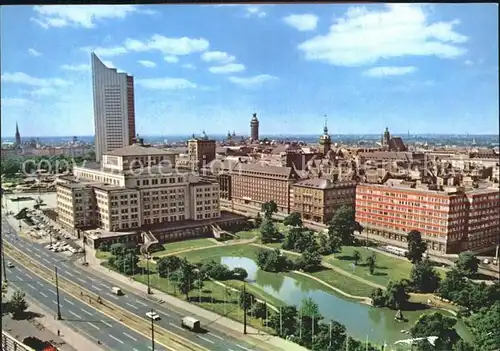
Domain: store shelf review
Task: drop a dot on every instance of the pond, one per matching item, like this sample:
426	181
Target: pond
362	321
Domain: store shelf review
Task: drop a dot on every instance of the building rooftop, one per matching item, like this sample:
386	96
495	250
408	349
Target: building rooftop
319	183
274	170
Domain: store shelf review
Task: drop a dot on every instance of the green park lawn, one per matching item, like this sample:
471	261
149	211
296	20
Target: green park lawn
248	234
221	251
388	268
184	245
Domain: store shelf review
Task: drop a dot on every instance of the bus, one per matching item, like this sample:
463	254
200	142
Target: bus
396	250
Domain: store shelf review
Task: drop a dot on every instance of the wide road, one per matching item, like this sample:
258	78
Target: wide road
80	316
214	340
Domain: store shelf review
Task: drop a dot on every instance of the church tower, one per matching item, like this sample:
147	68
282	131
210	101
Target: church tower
325	142
18	136
254	127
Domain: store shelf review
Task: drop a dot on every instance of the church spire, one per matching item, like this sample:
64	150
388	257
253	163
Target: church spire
325	129
18	136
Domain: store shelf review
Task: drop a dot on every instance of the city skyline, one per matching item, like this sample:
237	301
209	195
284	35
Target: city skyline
321	59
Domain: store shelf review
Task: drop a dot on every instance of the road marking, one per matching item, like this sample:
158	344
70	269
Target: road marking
29	277
87	312
80	279
18	277
207	340
101	284
37	255
68	301
31	286
244	348
46	260
29	250
43	294
129	336
54	302
39	283
216	336
175	326
68	273
131	305
109	325
74	314
141	303
111	336
53	292
95	287
95	326
64	265
114	297
166	314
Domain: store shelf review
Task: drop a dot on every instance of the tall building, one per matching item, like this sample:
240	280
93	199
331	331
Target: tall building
114	110
201	151
451	220
325	142
18	137
254	127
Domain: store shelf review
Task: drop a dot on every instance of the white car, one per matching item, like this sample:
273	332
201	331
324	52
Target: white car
153	315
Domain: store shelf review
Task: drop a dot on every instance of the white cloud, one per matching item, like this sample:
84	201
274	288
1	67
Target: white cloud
303	23
81	67
255	11
168	46
217	56
189	66
229	68
468	63
249	82
377	72
109	64
171	59
25	79
166	83
366	36
106	52
147	63
14	102
34	53
44	91
84	16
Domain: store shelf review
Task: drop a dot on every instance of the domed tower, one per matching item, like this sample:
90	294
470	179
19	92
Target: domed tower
325	142
254	127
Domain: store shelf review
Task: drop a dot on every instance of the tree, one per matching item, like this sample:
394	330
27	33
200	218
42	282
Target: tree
239	273
378	297
258	220
485	327
291	238
117	249
246	300
216	270
436	324
467	263
451	285
18	303
310	260
125	263
343	225
186	277
284	322
416	246
269	208
104	246
167	265
293	220
329	337
424	278
356	256
268	231
396	296
309	321
272	261
305	241
259	310
371	261
462	345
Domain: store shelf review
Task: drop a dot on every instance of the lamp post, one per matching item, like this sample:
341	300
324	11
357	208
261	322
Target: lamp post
4	269
244	308
57	296
147	268
152	332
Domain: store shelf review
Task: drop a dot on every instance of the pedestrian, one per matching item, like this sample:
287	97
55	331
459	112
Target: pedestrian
58	332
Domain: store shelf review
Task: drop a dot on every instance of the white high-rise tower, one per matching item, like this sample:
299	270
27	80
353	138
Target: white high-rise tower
114	110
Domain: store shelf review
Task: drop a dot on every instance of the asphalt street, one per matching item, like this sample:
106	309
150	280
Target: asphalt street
134	303
75	313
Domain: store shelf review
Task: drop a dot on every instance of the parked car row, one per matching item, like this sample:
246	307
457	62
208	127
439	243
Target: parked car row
61	246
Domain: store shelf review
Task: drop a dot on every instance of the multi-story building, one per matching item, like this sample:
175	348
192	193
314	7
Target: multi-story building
443	217
317	199
254	184
201	151
254	128
114	114
221	170
135	187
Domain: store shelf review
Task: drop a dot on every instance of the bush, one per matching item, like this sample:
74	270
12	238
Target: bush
104	247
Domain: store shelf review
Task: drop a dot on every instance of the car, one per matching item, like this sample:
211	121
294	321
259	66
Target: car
153	315
48	247
10	265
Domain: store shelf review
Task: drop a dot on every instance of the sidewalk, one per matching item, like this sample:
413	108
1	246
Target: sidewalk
47	327
254	336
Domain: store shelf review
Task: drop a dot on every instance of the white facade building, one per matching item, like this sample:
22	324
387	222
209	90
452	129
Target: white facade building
114	110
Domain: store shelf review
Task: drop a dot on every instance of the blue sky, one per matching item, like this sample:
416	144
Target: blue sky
423	68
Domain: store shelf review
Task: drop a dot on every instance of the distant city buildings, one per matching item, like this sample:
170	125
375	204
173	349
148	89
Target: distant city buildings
114	109
201	151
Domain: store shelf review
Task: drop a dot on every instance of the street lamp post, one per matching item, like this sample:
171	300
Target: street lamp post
4	269
244	308
57	296
152	332
147	268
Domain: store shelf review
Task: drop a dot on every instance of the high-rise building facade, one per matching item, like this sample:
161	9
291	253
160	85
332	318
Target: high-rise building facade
114	110
254	128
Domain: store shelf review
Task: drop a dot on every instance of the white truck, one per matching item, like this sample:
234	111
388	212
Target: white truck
116	290
190	323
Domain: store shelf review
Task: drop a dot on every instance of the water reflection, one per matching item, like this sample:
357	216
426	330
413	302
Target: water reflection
360	320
